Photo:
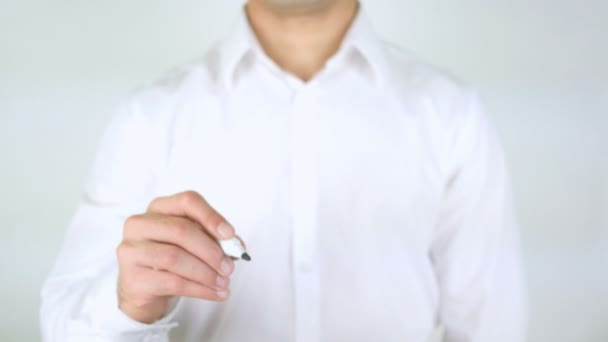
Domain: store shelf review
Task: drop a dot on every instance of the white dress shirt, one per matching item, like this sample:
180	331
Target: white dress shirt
374	201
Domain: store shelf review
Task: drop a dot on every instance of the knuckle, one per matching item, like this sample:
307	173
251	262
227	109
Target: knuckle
154	204
169	258
175	285
190	197
124	251
132	222
180	229
141	302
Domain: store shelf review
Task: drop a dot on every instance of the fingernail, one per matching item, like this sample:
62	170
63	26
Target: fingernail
222	294
221	282
226	266
225	230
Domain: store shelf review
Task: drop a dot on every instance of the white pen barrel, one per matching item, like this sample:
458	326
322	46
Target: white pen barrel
233	247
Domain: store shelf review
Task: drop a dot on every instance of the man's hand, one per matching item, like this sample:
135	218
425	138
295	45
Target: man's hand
172	250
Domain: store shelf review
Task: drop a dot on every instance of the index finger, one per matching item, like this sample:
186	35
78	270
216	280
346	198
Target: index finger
192	205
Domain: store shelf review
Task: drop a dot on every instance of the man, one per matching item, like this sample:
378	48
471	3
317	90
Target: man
371	192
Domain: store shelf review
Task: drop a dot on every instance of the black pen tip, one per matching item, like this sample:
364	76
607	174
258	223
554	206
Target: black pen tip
245	256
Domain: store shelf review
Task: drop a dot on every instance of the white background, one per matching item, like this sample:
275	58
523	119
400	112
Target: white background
541	66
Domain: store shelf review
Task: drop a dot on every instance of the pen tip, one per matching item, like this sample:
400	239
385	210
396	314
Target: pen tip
245	256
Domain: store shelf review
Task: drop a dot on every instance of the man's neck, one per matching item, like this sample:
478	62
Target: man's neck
301	43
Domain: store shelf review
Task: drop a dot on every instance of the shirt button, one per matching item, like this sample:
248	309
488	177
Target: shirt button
153	337
304	267
286	171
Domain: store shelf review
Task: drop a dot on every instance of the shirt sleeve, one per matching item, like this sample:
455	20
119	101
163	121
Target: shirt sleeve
79	299
476	251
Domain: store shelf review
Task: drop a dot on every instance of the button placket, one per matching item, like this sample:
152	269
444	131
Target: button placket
304	183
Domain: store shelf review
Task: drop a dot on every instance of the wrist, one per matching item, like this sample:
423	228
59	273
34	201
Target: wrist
146	313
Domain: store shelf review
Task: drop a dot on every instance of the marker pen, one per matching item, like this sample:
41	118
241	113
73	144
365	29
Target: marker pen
234	248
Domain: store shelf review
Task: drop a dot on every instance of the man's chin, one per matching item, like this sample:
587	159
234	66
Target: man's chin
298	7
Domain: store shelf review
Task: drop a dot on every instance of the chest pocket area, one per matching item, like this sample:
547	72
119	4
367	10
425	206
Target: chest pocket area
235	170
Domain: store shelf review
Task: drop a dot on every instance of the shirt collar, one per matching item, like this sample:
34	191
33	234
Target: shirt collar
360	38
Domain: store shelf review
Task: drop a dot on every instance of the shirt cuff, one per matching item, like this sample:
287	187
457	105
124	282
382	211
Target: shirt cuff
102	316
